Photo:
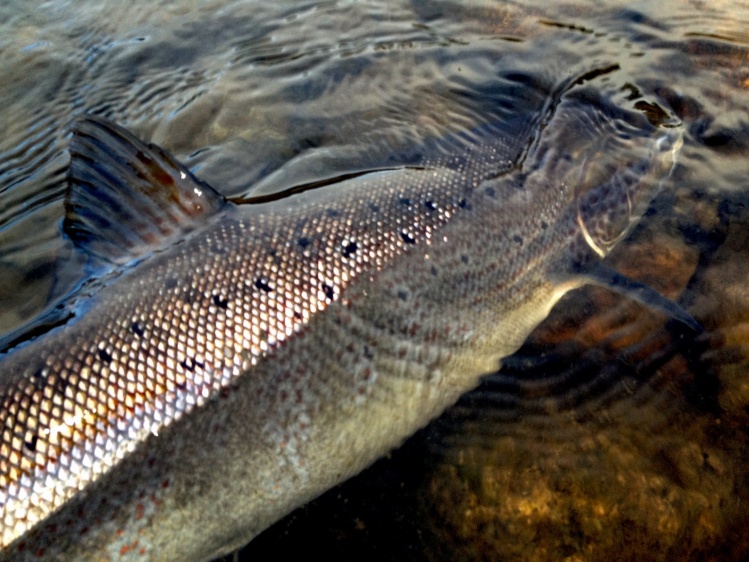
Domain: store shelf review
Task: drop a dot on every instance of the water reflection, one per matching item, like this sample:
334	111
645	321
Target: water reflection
612	433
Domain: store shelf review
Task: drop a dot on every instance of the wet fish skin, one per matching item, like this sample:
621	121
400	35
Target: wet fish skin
267	352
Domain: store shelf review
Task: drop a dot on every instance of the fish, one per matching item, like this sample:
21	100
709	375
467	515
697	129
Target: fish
234	360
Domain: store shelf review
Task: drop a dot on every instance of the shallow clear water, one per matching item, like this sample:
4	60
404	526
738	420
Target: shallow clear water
612	433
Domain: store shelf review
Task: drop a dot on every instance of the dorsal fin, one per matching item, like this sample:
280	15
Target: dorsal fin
126	198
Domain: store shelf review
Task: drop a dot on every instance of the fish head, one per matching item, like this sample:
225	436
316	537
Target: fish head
609	161
615	191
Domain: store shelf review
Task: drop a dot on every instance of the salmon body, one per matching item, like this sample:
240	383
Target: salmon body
238	360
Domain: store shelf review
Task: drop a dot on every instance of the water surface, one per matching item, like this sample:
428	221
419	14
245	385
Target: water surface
611	433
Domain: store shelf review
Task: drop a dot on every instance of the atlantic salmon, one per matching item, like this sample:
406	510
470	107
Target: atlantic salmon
235	361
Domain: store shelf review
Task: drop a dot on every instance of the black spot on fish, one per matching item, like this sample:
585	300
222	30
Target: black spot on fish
31	443
490	192
349	249
403	295
407	238
297	315
137	329
328	290
464	258
374	207
544	225
433	271
430	205
304	242
405	201
368	353
463	204
104	356
272	252
332	212
61	384
262	285
518	239
170	283
38	378
219	302
190	363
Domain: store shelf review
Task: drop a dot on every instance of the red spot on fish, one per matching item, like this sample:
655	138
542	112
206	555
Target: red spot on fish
125	548
139	511
165	483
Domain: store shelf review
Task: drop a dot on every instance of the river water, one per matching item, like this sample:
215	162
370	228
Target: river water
612	434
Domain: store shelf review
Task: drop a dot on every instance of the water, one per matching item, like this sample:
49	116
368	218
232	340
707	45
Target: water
612	433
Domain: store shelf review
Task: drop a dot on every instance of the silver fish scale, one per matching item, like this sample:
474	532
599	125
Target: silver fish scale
162	339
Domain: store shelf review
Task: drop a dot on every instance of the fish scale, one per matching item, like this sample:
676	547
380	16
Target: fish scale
267	351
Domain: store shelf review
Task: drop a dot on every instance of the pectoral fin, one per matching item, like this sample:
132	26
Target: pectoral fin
600	274
127	198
